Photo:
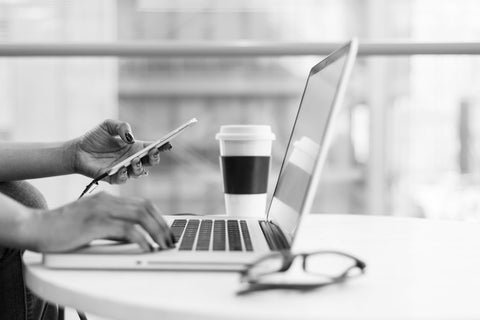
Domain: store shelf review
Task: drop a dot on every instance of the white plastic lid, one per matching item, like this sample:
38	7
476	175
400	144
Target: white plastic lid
245	132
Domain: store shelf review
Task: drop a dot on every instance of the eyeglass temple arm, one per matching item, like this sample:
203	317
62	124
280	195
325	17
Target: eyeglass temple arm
358	263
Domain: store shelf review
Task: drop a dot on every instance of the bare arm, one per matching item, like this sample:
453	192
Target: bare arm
76	224
90	155
20	161
13	218
95	217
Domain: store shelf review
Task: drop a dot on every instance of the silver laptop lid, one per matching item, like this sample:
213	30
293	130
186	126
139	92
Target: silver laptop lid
310	138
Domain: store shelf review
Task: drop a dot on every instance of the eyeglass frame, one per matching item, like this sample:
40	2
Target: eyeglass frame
287	260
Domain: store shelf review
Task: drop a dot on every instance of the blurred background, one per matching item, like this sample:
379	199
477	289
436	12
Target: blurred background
407	142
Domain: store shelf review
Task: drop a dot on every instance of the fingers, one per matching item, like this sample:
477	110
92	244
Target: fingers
120	128
103	216
165	147
154	229
154	154
155	213
154	157
136	169
131	232
145	214
120	177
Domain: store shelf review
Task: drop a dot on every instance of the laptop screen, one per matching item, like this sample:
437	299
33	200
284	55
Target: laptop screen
307	141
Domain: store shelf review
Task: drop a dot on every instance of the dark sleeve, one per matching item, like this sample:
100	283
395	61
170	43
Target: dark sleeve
17	301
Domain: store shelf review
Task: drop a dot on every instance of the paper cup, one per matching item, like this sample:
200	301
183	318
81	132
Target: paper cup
245	156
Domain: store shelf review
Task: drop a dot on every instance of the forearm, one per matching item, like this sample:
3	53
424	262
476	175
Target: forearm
20	161
15	224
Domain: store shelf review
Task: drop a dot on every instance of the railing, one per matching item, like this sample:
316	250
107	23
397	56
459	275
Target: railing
229	49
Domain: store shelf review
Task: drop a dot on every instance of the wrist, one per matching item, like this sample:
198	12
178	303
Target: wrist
69	155
29	229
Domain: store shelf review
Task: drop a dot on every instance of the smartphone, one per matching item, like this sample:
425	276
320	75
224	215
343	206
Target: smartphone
169	136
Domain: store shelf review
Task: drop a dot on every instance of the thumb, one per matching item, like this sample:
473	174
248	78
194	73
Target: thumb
120	128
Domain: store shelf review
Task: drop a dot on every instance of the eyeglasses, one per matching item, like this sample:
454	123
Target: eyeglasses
319	268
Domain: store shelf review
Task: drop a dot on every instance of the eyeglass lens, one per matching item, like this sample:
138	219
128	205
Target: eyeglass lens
267	265
330	264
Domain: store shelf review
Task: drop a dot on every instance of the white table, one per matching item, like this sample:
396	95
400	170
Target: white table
416	269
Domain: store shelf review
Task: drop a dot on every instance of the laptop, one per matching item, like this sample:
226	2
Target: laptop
227	243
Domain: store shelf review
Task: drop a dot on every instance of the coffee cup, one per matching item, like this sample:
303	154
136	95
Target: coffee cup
245	156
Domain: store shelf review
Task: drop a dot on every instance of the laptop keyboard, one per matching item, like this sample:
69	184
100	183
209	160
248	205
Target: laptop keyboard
216	235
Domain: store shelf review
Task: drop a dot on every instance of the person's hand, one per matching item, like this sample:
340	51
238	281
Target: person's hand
107	144
101	216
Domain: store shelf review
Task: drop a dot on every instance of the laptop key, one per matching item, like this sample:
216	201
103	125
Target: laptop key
177	228
204	235
246	236
234	239
189	235
219	235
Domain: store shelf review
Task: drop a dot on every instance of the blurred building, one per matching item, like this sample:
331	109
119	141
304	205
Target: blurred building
407	142
53	99
156	94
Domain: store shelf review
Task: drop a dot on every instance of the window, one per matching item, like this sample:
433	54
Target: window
407	141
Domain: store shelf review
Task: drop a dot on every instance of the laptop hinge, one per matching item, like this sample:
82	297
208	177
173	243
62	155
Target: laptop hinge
273	234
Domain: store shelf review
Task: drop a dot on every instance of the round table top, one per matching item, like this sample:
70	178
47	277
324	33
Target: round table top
415	269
